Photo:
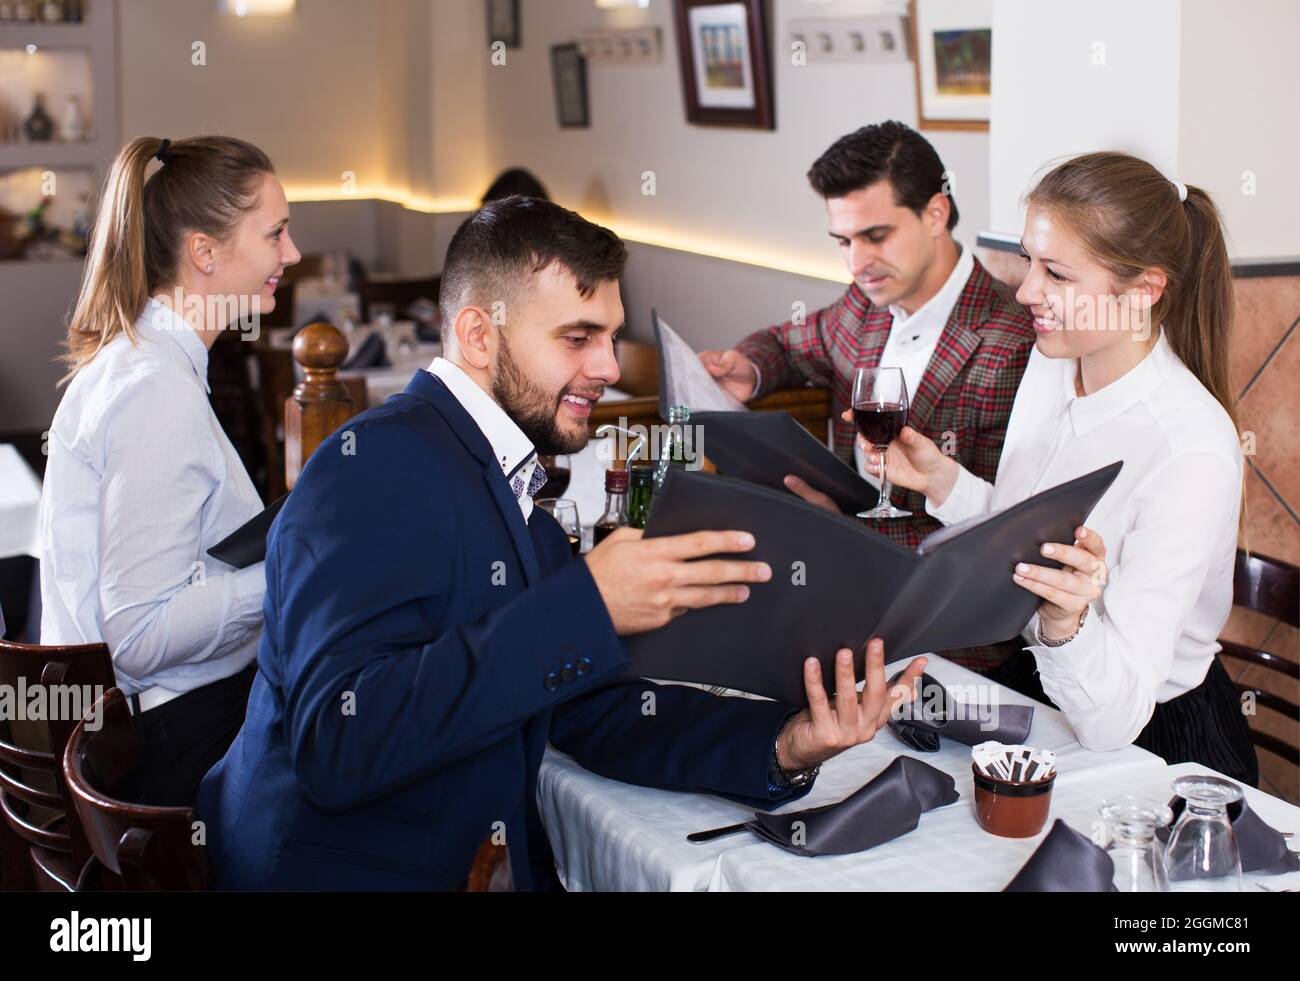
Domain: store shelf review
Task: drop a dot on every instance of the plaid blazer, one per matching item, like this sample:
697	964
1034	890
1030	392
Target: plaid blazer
964	399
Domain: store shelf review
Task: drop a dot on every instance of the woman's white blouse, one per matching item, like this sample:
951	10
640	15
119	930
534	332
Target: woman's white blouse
1169	523
141	481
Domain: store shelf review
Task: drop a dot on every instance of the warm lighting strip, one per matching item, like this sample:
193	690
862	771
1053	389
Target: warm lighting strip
642	235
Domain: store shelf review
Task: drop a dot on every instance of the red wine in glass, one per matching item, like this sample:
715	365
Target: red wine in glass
880	410
881	423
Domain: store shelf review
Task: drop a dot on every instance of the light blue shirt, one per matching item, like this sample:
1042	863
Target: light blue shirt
141	482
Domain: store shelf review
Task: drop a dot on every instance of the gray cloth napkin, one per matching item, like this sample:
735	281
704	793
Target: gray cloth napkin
1263	849
1065	861
888	806
934	712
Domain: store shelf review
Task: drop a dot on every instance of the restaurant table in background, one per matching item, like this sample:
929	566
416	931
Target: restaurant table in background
610	836
318	298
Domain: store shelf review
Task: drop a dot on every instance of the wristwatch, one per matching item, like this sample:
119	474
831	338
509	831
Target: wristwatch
1045	642
778	779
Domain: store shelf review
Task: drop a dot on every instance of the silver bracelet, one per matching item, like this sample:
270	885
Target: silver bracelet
1064	640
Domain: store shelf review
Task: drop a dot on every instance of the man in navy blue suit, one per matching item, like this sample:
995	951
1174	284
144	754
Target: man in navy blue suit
428	631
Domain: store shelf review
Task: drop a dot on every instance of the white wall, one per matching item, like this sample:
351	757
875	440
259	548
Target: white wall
1203	89
1053	100
724	190
1240	80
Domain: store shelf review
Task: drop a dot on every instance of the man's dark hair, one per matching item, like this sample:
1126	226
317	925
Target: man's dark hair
886	151
516	180
497	248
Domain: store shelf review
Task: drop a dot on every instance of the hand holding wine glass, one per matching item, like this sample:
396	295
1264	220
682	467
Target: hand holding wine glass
915	462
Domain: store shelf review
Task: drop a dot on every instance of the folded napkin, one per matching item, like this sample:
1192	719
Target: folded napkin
888	806
370	353
934	712
1263	849
1066	861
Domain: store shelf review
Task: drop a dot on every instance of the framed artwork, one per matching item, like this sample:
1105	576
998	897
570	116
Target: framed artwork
953	42
569	69
723	52
503	22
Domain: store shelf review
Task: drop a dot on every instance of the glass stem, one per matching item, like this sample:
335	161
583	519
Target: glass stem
885	486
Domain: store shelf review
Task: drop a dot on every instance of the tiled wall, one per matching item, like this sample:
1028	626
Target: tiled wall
1265	365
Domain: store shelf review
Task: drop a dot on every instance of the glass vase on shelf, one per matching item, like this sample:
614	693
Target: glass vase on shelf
39	127
52	11
74	122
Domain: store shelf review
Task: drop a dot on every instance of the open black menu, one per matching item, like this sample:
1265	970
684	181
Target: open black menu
838	584
763	447
246	545
683	380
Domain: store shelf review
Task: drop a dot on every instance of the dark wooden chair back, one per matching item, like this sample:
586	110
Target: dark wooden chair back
42	829
638	366
152	849
1271	587
401	293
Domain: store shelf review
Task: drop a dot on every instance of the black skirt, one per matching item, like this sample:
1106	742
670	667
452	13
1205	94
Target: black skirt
1205	725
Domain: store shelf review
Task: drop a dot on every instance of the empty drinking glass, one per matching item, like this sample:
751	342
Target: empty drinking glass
1202	854
1139	859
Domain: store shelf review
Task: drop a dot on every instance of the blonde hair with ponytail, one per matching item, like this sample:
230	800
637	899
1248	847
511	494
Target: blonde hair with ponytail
206	185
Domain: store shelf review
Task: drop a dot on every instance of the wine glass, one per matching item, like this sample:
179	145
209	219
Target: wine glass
880	411
1202	853
566	513
1138	857
558	469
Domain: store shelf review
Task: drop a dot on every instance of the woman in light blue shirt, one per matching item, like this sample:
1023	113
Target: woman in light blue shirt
141	479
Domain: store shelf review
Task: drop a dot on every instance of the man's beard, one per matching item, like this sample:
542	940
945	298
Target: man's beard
531	408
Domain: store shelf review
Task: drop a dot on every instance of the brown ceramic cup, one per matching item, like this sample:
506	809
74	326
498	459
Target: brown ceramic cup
1011	809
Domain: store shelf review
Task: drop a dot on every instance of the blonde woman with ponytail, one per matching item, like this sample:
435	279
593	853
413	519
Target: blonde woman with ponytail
1131	291
141	479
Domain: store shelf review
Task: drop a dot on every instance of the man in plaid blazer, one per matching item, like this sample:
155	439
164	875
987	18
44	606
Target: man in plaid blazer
885	191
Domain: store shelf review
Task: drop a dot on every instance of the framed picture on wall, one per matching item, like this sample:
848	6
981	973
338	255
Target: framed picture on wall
569	69
503	22
953	42
723	52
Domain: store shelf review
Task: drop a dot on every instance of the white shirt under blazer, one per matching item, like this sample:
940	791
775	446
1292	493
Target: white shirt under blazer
141	481
1169	523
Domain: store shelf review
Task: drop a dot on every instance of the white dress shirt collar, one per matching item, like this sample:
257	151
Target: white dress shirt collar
161	321
1087	412
930	320
510	446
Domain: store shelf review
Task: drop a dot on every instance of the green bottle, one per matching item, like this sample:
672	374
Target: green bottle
642	490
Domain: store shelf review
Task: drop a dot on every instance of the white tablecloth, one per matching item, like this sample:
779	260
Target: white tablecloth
20	498
609	836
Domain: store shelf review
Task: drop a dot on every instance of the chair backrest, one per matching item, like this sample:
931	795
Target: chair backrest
52	687
401	293
1271	587
638	366
150	848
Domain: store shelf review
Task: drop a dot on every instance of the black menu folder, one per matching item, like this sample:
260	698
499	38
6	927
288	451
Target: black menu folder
246	545
838	584
763	447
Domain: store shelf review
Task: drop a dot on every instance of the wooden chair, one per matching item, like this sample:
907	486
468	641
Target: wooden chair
638	366
43	831
1271	587
151	849
401	293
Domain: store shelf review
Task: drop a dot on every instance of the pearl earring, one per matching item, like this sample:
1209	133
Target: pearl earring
209	268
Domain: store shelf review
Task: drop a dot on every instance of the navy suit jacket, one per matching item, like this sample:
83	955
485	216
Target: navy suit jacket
422	645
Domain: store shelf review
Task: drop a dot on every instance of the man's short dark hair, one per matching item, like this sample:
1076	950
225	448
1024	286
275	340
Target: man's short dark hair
890	151
499	247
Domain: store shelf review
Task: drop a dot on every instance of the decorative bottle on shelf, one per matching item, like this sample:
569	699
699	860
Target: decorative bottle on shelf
39	127
52	11
6	10
615	516
24	9
74	122
73	11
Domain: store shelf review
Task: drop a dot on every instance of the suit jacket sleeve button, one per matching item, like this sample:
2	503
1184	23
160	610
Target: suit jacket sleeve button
552	681
568	673
584	666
